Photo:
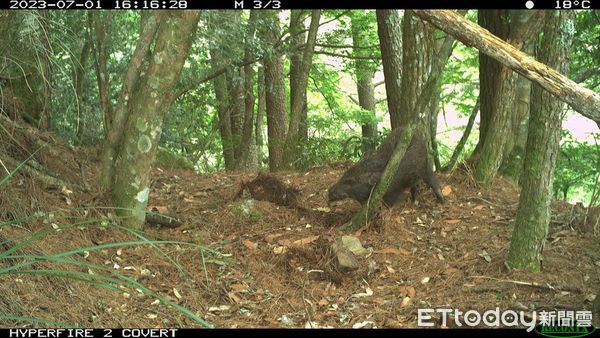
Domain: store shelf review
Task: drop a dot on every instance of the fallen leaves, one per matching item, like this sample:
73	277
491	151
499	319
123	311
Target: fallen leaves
250	245
446	190
394	251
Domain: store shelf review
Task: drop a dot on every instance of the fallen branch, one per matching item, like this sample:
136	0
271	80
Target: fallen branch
545	286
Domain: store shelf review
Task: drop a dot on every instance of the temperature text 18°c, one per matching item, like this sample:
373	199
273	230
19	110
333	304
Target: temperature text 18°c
573	4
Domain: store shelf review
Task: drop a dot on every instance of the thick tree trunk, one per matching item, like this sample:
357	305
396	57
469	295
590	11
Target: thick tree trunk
365	70
274	92
291	150
417	50
118	118
533	213
390	41
581	99
514	150
144	125
498	85
298	39
248	159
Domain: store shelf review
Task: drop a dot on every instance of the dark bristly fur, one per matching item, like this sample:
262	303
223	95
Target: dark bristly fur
358	181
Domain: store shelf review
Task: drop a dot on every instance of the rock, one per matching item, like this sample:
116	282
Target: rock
353	244
345	260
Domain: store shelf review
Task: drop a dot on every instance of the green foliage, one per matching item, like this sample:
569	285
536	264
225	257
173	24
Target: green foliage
577	169
585	50
191	128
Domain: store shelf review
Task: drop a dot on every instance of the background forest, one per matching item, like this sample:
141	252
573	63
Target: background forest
52	63
134	147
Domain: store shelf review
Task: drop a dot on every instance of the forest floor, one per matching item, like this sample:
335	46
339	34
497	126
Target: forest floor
275	266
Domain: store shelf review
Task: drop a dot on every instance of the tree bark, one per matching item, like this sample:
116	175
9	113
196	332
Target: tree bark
274	92
100	26
433	113
78	80
390	41
365	70
498	90
248	159
514	150
298	31
533	213
118	117
417	49
581	99
224	96
150	101
291	150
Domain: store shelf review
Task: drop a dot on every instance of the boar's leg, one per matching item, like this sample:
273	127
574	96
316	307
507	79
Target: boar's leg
413	191
434	184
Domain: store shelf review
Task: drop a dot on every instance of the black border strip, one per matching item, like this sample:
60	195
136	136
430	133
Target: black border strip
287	333
298	4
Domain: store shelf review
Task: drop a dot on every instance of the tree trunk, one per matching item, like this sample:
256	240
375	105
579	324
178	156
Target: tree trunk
248	159
291	150
298	39
117	120
222	87
260	113
390	41
78	80
498	90
417	50
581	99
365	70
514	152
236	96
463	140
497	95
274	91
433	113
367	211
144	125
533	213
100	25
